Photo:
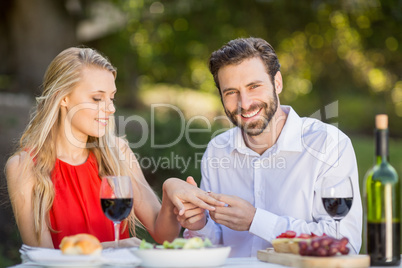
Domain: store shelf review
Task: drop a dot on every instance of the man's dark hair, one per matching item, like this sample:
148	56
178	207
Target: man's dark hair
237	50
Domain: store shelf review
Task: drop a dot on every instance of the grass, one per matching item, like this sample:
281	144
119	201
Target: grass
364	149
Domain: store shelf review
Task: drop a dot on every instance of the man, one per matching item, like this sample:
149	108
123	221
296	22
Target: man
268	169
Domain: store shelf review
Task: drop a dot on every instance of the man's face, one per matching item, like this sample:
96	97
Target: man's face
248	95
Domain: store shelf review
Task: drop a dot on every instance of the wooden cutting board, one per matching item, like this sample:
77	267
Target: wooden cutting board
293	260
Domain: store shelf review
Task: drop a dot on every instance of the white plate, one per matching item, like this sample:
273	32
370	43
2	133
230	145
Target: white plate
203	257
69	263
54	258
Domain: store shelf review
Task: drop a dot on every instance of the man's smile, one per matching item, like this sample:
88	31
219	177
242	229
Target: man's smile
251	114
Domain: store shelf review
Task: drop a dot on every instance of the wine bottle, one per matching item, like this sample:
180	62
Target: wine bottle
382	203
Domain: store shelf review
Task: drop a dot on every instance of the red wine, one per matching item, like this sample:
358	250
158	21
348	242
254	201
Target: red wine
116	209
379	246
337	208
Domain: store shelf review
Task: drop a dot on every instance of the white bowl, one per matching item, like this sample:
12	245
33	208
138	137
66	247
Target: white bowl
204	257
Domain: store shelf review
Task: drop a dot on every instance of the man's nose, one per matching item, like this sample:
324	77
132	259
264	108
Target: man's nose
245	101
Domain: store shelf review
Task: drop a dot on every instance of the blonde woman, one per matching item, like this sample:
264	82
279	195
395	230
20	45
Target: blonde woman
54	178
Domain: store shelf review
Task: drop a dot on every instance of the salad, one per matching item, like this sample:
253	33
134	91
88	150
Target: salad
179	243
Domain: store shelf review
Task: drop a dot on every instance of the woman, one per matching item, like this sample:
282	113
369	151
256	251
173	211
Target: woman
70	142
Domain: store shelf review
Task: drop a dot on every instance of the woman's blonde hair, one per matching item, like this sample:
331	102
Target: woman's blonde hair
38	139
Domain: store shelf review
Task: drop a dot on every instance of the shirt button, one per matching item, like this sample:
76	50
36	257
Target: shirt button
256	163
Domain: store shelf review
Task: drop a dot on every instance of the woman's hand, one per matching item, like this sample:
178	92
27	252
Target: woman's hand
179	192
193	218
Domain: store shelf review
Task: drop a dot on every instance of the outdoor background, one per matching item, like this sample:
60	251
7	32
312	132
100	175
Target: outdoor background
346	53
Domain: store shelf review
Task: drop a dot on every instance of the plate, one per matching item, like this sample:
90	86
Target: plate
62	262
111	257
68	264
203	257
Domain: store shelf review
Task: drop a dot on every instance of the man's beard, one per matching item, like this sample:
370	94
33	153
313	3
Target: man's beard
256	126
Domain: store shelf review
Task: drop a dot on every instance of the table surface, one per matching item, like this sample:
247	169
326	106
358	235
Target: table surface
230	263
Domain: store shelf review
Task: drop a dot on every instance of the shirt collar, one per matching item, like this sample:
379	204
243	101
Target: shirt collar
289	139
291	134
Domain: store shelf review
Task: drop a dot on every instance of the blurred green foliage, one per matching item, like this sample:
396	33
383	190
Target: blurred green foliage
349	51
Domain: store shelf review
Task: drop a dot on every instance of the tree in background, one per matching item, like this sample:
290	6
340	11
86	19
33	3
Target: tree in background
329	50
32	33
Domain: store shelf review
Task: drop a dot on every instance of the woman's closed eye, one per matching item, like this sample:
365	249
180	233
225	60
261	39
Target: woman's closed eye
99	99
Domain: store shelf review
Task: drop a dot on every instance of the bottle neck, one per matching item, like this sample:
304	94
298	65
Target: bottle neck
381	151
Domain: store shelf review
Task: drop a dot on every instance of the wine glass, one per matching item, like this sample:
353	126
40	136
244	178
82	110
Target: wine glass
116	197
337	197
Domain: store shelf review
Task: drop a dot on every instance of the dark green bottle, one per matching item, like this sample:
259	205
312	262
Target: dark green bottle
383	204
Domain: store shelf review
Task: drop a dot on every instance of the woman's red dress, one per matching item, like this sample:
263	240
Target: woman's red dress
76	207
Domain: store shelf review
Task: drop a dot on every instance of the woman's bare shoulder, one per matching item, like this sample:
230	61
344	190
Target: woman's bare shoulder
17	164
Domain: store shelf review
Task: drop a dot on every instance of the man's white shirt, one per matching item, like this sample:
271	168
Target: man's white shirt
283	184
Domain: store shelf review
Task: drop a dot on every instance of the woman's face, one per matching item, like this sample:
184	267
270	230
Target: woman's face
90	105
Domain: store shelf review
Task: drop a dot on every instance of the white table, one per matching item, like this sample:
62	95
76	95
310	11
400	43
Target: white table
247	263
230	263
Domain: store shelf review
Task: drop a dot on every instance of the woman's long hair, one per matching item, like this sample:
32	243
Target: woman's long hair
38	139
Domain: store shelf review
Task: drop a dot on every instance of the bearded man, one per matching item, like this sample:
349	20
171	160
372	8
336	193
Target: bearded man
269	168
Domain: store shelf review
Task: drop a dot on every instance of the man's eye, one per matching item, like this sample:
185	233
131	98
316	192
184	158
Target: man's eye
254	86
230	92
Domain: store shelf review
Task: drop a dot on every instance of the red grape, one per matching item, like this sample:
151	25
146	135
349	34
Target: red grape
315	243
303	251
324	246
332	251
344	250
303	245
321	252
310	251
326	241
344	241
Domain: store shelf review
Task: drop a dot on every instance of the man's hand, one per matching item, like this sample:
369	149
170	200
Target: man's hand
237	216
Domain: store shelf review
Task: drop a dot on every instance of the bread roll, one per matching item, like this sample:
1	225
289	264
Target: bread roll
281	245
80	244
288	245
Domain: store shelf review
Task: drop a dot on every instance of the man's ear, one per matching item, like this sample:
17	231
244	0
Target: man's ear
278	82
